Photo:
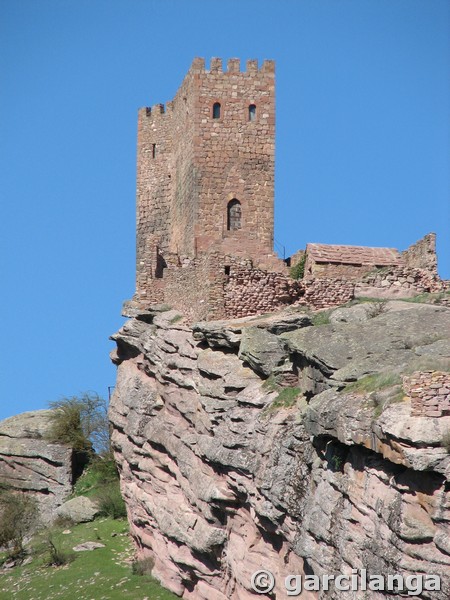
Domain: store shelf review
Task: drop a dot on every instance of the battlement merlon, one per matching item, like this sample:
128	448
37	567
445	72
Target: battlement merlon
198	67
233	66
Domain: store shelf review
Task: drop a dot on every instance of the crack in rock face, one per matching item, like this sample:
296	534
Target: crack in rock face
272	443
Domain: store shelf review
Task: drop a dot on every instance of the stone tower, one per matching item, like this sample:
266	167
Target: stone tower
205	171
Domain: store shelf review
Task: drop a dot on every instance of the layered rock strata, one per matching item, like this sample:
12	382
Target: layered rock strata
31	464
281	443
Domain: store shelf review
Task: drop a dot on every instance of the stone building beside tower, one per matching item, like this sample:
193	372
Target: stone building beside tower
205	204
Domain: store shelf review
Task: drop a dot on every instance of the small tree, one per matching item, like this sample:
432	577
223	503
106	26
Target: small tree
18	516
82	423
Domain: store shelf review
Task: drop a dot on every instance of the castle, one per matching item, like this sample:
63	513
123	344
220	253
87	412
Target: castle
205	209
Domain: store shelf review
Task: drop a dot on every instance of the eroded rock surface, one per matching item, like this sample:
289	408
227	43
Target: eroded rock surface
224	472
30	463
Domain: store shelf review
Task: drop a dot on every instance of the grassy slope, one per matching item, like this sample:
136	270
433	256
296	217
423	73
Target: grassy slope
103	574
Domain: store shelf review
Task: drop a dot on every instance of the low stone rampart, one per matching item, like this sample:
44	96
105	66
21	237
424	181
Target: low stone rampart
429	392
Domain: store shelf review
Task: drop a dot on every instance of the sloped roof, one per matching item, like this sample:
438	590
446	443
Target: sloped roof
353	255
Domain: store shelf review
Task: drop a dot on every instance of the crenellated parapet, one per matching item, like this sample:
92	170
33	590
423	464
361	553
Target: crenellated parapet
233	65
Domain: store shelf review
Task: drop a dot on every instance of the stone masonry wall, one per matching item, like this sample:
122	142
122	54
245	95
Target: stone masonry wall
326	293
252	291
314	270
190	165
406	281
429	392
422	254
235	155
154	190
196	289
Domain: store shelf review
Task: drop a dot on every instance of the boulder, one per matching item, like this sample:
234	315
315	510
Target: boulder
262	350
88	547
30	463
79	510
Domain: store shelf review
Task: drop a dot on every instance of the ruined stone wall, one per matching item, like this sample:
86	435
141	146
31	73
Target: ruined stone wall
154	189
196	289
326	293
429	392
251	291
422	254
399	282
297	257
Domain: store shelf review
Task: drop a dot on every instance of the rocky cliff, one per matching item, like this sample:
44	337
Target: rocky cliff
283	442
31	464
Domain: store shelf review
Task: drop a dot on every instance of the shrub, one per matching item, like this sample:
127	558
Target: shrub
143	566
81	422
377	308
57	556
18	516
298	270
110	501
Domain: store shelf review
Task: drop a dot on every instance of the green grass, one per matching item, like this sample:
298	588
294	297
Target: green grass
103	574
382	389
429	363
428	298
321	318
88	483
373	383
286	398
380	404
176	319
100	471
363	300
271	384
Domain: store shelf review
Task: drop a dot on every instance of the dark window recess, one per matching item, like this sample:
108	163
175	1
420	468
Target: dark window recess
160	265
252	112
234	215
227	271
216	110
153	150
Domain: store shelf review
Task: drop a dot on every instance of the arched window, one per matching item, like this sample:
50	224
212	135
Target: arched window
234	215
216	110
252	112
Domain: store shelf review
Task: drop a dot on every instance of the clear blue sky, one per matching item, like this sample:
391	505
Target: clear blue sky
362	157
